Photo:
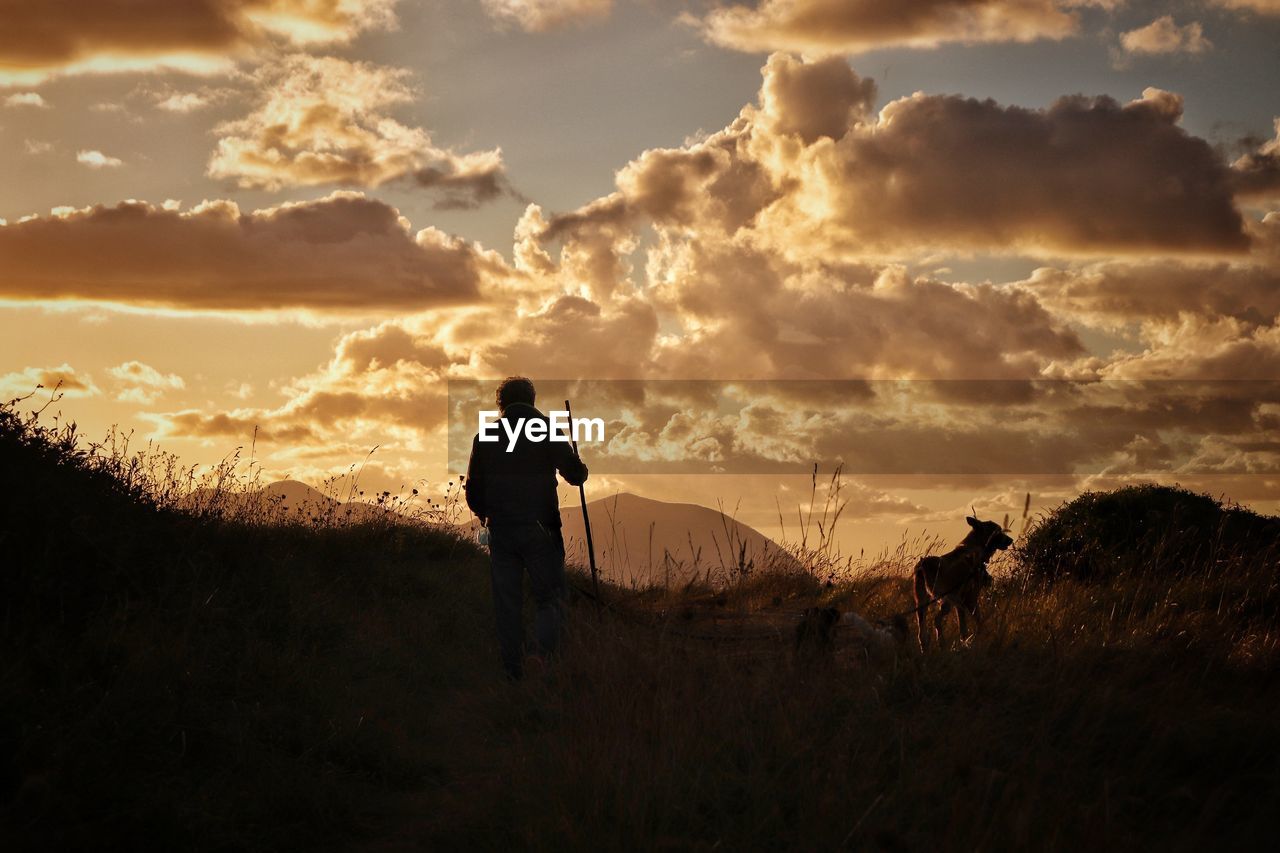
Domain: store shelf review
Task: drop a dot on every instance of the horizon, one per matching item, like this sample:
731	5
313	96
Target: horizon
293	231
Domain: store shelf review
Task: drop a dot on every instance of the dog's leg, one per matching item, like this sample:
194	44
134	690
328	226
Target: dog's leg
940	620
964	624
922	608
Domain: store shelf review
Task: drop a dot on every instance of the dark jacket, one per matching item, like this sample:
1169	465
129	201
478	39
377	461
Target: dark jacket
520	487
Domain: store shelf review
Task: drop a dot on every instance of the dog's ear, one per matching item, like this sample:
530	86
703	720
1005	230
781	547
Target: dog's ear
973	522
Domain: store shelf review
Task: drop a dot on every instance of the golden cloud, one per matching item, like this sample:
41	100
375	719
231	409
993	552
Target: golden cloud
767	251
1198	347
65	378
323	120
141	383
1114	294
1188	319
855	26
1087	175
343	253
1163	35
384	386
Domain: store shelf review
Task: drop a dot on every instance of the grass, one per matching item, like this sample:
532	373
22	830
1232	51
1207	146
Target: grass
214	680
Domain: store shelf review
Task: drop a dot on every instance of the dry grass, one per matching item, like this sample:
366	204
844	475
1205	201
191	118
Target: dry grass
193	680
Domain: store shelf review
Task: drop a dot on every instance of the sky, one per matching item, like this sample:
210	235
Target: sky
299	219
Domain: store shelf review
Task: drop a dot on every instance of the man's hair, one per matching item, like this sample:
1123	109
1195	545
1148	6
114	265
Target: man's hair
515	389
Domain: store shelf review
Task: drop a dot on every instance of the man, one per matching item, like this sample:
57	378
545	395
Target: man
513	493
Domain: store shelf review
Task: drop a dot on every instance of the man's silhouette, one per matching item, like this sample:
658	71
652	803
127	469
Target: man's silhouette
514	494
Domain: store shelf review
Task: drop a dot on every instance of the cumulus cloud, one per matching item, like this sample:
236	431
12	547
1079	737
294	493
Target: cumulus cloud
1199	347
855	26
541	15
383	386
1085	174
66	36
1163	36
344	253
931	172
1113	294
97	160
323	120
141	383
68	381
766	251
1188	319
814	99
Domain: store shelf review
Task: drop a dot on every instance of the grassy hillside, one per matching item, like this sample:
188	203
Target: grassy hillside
206	683
202	682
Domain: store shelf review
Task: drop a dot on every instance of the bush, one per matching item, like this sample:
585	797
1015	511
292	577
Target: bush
1145	528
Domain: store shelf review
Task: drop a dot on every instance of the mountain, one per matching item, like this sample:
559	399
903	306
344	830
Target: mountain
641	542
293	499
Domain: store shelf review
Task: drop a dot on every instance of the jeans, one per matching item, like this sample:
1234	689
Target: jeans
539	550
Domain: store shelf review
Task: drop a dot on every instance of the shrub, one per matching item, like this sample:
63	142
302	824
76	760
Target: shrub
1145	528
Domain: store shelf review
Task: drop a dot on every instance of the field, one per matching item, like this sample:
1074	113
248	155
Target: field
178	676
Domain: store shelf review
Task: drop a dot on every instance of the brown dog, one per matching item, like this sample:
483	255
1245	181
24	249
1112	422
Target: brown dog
957	577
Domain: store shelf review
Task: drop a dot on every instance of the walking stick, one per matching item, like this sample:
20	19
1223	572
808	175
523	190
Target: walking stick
586	519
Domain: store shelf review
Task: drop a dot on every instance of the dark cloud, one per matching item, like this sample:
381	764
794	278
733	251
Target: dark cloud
1257	173
48	36
1087	174
343	253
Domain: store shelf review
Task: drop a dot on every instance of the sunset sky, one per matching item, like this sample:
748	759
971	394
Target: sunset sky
305	216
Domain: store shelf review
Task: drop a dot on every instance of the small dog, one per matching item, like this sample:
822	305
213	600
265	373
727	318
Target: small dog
816	634
957	577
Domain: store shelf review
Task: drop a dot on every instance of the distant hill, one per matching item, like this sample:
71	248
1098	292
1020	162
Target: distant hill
294	499
640	541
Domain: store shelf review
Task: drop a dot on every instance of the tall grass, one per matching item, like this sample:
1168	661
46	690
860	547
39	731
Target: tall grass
188	679
187	674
